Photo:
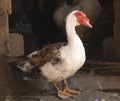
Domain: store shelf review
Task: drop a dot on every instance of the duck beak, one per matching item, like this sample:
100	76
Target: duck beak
87	23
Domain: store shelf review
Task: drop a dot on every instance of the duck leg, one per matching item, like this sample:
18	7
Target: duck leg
68	90
61	94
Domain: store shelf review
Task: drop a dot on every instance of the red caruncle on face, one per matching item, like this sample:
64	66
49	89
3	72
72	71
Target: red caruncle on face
81	17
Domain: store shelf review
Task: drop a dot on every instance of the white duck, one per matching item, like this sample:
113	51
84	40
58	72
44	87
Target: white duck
59	61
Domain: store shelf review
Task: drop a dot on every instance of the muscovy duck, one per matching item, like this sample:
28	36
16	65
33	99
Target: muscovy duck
59	61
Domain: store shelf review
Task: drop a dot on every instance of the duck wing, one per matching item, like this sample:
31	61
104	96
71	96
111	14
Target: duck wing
48	53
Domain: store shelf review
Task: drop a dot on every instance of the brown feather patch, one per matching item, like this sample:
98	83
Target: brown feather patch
48	53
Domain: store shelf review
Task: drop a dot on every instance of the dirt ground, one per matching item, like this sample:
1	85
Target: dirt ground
97	81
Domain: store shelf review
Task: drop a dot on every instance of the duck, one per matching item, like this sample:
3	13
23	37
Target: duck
59	61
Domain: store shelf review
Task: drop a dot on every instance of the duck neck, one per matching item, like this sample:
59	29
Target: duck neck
72	38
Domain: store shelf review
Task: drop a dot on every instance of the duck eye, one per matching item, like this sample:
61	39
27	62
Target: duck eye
79	14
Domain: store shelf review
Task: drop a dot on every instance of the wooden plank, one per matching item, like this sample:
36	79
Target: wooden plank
98	82
5	9
8	7
106	71
16	45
